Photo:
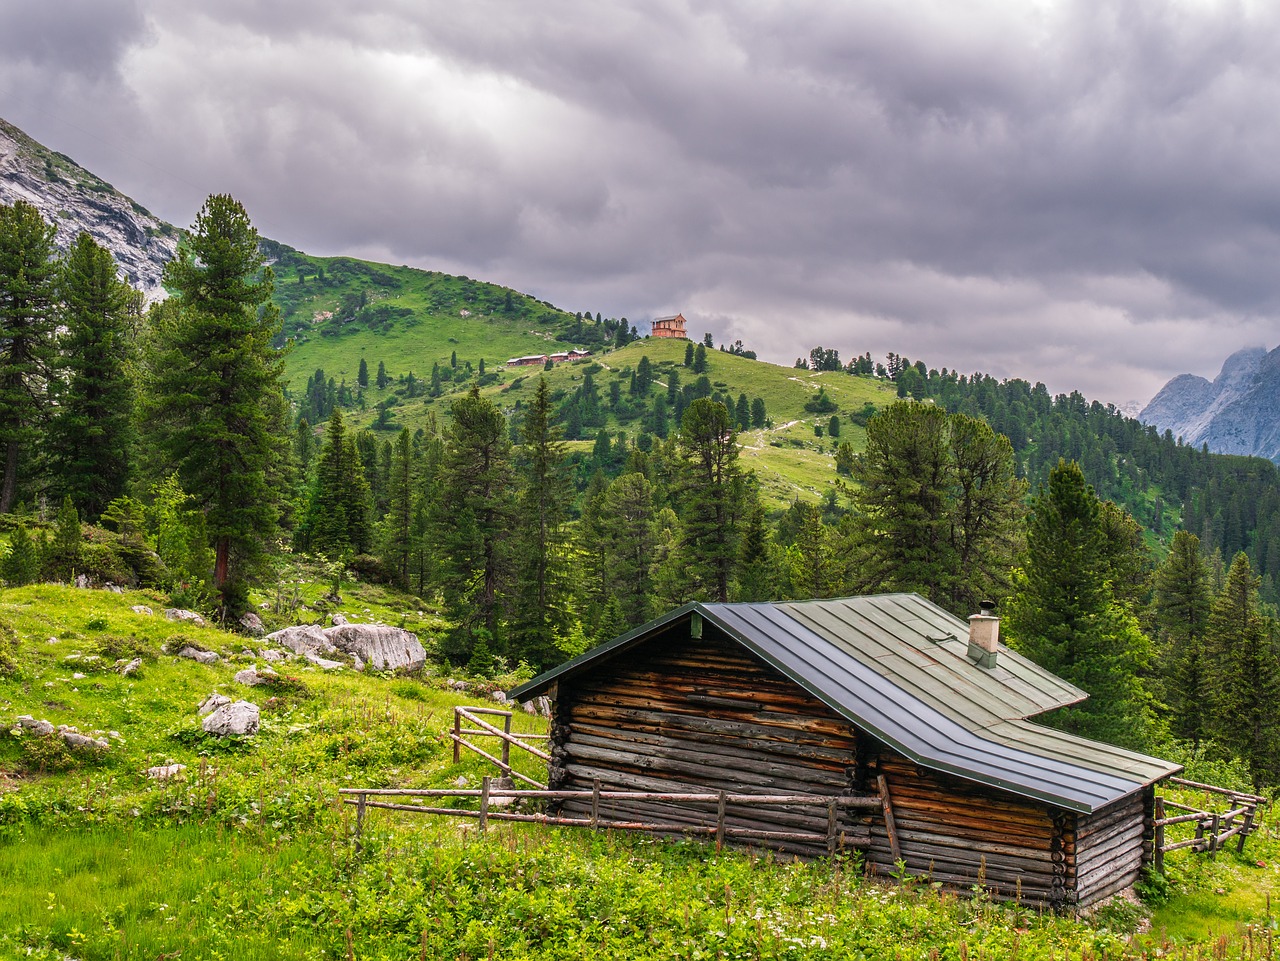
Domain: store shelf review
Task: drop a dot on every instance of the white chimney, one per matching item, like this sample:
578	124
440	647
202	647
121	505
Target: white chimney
984	636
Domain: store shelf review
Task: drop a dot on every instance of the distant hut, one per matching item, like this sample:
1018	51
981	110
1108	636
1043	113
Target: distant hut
887	695
672	326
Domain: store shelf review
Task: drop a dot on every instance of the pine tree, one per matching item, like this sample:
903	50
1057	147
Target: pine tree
689	354
700	359
540	600
216	389
709	492
1245	683
742	412
382	379
1063	616
629	541
397	525
362	376
1183	601
758	413
90	437
756	579
64	552
475	517
644	376
336	519
21	565
27	325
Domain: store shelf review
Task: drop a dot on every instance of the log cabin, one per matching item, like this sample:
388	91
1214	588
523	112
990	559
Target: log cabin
887	696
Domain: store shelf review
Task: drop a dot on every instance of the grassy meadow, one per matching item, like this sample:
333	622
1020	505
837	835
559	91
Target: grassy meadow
248	852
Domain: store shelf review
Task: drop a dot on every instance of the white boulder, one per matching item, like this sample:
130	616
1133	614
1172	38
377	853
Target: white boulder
303	639
238	717
184	616
386	648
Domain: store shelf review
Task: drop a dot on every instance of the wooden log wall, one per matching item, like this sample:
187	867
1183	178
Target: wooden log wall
963	834
1112	845
685	714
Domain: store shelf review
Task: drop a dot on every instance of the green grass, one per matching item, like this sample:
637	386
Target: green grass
248	853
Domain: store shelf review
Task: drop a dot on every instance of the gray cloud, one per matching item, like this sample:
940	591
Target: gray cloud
1075	192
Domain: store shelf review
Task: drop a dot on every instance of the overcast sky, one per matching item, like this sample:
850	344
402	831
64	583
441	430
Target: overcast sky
1085	193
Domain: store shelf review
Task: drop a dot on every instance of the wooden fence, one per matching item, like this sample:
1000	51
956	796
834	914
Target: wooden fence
495	805
483	728
1212	828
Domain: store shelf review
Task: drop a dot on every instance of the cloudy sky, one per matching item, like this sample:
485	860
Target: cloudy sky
1084	193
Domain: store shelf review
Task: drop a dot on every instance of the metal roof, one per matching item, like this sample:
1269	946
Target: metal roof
896	666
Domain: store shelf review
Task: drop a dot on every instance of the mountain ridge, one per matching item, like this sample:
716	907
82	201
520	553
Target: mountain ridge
1238	412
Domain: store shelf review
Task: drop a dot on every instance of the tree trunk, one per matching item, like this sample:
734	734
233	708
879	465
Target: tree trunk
10	478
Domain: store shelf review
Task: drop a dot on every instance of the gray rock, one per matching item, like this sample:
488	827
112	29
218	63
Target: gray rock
499	696
339	620
82	581
252	623
165	771
320	662
543	704
39	728
77	676
303	639
204	657
80	742
131	667
252	677
238	717
386	648
141	609
213	702
462	686
275	654
184	616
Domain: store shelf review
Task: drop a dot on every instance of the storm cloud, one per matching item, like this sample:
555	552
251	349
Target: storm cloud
1081	193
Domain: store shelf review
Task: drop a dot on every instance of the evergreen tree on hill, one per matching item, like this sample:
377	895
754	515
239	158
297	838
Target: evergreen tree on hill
1063	615
216	389
1183	599
90	438
711	495
27	325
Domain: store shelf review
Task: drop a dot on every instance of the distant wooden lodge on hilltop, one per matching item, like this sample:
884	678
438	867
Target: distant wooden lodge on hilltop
885	696
672	326
540	360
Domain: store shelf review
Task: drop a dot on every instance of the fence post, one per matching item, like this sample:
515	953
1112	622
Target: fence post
1247	827
595	803
831	826
1157	844
720	805
359	819
1213	837
457	736
506	746
484	804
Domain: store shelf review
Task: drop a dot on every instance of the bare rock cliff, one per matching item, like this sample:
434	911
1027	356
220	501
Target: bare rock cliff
72	198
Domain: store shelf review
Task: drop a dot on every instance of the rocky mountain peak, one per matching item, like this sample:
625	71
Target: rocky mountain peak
73	199
1238	413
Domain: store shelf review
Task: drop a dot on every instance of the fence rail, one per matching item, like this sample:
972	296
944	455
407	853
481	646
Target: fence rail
494	801
485	729
1213	828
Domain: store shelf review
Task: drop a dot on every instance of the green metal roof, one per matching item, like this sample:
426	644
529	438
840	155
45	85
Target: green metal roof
896	665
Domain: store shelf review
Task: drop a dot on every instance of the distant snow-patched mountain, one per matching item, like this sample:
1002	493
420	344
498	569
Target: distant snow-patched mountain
74	199
1237	413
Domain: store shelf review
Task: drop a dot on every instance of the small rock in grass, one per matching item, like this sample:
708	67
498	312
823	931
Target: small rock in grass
461	781
238	717
323	663
252	677
252	623
141	609
213	702
204	657
184	616
80	742
131	667
40	728
77	676
499	696
339	620
275	654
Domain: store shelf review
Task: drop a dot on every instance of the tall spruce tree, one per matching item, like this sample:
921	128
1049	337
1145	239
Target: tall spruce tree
936	507
27	325
539	608
398	523
1064	617
1245	683
215	394
473	522
90	437
1183	600
630	539
335	521
710	492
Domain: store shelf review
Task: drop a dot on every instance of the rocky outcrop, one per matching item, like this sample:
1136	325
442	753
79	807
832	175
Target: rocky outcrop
1237	413
238	717
74	200
305	639
204	657
386	648
183	616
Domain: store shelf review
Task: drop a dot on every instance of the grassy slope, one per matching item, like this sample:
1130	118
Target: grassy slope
244	855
